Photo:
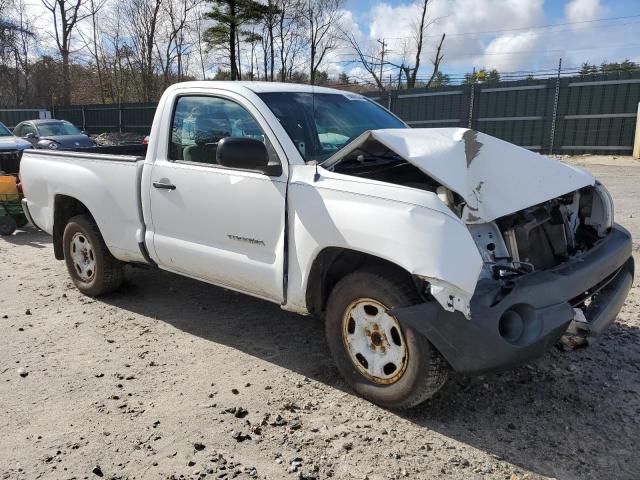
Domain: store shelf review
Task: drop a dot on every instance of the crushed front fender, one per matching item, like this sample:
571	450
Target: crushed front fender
516	322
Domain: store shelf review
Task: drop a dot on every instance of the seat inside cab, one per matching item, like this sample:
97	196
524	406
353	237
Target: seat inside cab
208	131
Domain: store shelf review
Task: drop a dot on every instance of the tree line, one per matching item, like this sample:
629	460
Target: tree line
117	51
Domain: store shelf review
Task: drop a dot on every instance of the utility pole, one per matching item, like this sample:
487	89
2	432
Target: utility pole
384	50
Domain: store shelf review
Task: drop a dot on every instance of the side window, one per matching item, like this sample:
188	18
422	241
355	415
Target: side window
26	128
199	123
18	131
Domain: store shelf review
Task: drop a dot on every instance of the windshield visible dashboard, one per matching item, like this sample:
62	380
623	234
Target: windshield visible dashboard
320	124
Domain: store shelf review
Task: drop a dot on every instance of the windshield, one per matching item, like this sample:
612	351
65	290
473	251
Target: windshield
55	129
320	124
4	131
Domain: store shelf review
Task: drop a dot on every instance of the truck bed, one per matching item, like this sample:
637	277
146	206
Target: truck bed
108	185
136	150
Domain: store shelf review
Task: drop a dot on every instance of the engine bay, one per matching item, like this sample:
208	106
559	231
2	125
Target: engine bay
535	238
545	235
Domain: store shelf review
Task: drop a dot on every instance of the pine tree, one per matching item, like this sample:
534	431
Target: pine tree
229	16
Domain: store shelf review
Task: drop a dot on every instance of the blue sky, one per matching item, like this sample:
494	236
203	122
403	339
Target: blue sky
587	35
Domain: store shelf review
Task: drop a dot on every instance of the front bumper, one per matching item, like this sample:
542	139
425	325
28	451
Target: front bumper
516	322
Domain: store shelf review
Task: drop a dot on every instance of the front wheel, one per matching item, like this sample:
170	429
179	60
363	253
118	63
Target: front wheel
390	364
92	268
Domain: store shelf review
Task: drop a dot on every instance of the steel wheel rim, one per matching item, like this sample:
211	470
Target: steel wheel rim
374	341
83	257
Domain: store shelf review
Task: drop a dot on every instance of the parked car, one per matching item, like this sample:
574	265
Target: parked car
424	250
53	134
11	148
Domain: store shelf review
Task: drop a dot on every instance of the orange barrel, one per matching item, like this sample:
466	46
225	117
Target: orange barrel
8	188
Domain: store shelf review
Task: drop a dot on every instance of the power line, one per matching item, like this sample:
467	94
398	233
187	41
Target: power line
519	52
535	27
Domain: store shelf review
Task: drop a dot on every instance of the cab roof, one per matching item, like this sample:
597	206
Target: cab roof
261	87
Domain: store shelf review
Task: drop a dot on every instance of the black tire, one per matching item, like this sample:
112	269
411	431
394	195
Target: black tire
7	225
108	272
21	220
424	370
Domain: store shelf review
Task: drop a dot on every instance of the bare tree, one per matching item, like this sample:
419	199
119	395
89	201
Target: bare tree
143	17
419	30
197	22
113	53
93	41
290	35
418	35
436	60
322	19
367	57
176	43
66	15
270	19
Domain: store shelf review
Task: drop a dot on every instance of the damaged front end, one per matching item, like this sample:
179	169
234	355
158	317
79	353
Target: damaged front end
545	235
560	269
553	260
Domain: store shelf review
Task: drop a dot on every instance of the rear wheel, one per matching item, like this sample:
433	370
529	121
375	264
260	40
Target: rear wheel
90	264
386	362
7	225
21	220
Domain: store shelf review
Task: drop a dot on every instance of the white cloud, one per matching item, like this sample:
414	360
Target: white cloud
333	63
503	34
456	17
501	54
584	10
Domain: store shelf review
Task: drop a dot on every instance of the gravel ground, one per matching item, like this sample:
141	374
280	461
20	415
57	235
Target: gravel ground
171	378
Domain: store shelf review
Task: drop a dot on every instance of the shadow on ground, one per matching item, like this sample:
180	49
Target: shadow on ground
566	416
29	236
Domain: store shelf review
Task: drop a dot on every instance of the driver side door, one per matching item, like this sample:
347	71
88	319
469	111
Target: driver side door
217	223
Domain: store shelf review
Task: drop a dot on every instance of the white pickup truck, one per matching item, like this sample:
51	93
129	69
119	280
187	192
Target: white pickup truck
425	250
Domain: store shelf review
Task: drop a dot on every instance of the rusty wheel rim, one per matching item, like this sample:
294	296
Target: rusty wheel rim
83	257
374	341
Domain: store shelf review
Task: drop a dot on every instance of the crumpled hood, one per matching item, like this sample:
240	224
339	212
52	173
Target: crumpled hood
13	143
494	177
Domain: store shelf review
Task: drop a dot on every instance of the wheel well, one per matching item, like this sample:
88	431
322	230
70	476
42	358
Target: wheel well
331	265
64	208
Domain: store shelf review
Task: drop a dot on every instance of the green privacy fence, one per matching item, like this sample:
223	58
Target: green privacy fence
10	117
571	115
594	114
98	118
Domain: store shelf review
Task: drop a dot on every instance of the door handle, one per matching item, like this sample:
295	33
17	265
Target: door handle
166	186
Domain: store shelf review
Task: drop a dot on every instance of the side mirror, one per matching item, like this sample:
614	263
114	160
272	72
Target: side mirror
30	135
245	153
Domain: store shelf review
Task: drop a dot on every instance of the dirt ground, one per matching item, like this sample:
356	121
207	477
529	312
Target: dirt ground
174	378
